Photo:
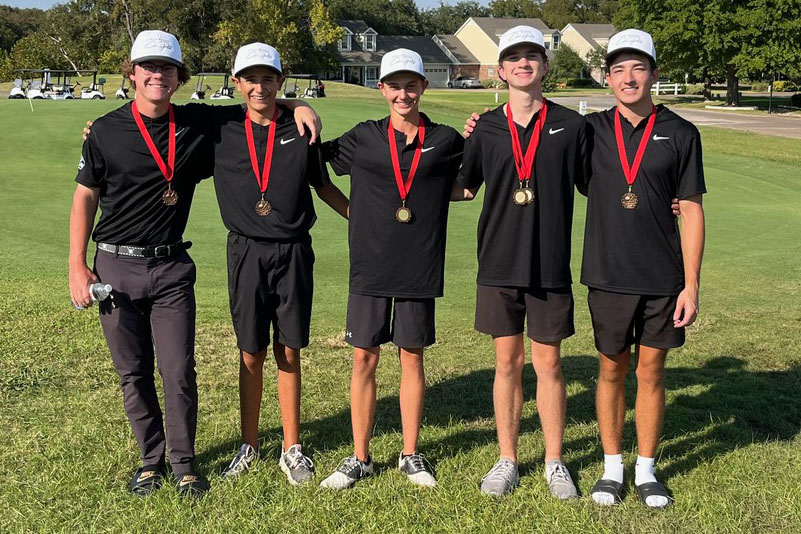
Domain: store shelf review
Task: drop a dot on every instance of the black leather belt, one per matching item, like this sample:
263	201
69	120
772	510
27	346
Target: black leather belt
149	251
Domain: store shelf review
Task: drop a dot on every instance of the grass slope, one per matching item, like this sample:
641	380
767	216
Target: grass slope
730	446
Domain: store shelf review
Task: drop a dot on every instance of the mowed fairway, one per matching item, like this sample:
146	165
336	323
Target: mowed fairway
731	448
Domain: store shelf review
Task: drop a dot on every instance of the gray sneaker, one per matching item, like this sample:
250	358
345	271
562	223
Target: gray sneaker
242	462
351	471
297	467
417	469
559	482
501	479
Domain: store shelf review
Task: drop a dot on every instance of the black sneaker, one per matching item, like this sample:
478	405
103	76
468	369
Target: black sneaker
147	479
191	484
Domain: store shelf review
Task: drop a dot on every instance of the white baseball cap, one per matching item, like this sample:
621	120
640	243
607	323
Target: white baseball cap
257	54
156	44
519	35
631	40
401	60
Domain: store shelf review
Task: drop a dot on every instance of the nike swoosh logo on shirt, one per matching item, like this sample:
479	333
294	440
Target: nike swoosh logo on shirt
657	138
552	131
427	149
179	132
285	141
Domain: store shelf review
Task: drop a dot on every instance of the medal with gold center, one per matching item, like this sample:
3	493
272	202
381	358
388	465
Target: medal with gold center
629	200
524	164
404	214
263	206
170	196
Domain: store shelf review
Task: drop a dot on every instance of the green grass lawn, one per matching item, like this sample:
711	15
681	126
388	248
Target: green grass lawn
730	450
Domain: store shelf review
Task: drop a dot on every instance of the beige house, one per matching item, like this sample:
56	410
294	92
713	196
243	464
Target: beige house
481	35
585	38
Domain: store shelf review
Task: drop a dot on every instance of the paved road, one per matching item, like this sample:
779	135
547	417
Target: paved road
771	125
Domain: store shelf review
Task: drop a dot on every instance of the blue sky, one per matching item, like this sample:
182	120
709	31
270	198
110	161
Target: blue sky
44	4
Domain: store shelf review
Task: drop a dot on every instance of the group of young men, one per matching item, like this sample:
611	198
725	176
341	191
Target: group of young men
404	170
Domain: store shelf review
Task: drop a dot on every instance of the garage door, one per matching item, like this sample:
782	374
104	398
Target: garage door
437	75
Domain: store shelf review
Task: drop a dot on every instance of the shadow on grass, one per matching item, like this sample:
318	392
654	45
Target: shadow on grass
720	406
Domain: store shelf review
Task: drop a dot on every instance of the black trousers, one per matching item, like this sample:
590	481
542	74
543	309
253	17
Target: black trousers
153	307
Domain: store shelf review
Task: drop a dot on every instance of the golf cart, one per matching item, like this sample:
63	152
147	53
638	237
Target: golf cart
17	91
61	88
95	91
28	84
316	89
122	92
225	92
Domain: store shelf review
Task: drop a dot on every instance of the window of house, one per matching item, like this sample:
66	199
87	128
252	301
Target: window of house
344	43
369	43
490	72
372	73
555	39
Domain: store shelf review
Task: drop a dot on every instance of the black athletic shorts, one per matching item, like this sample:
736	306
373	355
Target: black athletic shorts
501	311
408	323
620	320
270	283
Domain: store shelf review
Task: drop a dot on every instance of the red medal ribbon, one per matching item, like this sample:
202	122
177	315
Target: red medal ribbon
631	172
525	163
169	169
404	188
264	178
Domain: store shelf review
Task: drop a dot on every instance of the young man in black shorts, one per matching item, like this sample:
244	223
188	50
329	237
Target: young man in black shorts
140	167
529	153
402	171
262	172
643	273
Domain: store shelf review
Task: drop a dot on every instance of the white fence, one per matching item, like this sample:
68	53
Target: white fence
665	88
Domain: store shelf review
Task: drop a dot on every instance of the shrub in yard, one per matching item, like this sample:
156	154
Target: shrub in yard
785	86
795	100
694	89
581	82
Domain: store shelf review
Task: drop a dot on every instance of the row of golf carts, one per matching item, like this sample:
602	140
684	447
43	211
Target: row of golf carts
49	84
315	89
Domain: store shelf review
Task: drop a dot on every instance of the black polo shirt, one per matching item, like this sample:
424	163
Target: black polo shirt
525	246
295	167
116	160
389	258
638	251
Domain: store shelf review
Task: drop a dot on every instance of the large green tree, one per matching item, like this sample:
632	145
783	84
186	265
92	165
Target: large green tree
446	19
720	39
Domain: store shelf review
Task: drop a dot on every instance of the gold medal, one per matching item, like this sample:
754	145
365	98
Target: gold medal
403	215
520	197
629	200
170	197
263	208
529	195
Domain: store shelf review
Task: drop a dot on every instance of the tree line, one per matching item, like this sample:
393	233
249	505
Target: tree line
709	41
97	34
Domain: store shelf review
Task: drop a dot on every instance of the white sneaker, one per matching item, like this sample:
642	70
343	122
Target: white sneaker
501	479
417	469
351	471
297	467
242	462
560	484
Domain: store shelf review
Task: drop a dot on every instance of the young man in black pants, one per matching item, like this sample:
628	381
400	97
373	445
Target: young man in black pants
140	166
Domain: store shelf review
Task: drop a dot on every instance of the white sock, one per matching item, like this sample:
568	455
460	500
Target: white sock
644	473
613	470
613	467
